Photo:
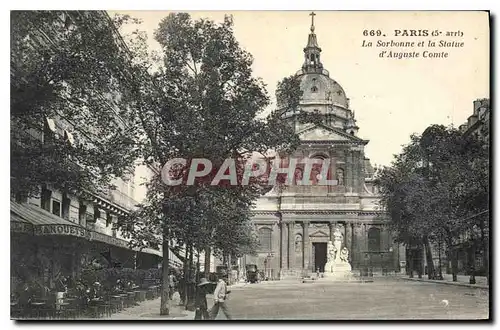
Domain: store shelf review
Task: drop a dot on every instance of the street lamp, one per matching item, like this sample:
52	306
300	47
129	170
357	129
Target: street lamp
267	262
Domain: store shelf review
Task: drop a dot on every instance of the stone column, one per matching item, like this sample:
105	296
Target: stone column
364	235
283	246
356	171
348	238
306	246
332	229
291	245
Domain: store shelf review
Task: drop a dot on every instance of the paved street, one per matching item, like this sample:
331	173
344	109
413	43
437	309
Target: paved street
381	299
385	298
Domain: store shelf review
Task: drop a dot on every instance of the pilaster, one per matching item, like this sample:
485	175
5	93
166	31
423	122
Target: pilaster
306	249
291	245
332	225
283	246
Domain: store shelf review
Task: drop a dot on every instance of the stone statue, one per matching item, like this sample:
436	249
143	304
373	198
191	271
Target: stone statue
337	242
344	255
337	266
340	177
298	243
330	261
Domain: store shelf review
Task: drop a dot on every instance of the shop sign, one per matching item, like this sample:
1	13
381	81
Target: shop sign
21	227
66	230
110	240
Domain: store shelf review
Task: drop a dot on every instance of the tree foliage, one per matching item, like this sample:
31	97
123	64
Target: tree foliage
436	186
70	67
201	100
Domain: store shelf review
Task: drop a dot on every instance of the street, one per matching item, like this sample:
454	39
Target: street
382	299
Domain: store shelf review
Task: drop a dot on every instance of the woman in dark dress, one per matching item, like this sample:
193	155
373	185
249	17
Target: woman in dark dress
201	300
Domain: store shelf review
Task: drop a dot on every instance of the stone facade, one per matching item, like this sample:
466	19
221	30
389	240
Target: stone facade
300	220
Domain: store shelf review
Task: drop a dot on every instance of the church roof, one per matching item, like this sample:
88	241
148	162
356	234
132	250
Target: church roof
319	87
323	133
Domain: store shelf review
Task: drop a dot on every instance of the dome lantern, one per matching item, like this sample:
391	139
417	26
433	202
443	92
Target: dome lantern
312	52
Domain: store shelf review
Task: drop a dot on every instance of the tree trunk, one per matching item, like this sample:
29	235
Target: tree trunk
419	262
165	283
485	248
454	264
410	261
452	255
186	274
229	270
190	286
208	252
472	264
431	271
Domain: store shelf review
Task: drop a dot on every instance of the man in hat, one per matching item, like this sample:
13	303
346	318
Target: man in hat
220	298
201	300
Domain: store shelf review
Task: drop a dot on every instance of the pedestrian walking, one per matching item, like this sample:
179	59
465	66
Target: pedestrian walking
171	284
201	304
220	298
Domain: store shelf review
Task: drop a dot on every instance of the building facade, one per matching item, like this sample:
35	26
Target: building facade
479	122
472	253
56	234
295	223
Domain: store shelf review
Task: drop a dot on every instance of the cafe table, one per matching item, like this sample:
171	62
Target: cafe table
36	308
120	300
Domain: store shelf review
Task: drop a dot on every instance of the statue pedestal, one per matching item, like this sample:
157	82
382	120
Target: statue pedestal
341	271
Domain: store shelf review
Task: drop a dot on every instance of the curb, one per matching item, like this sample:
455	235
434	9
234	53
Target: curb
475	286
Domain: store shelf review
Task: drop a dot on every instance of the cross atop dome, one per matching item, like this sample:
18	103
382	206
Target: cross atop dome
312	14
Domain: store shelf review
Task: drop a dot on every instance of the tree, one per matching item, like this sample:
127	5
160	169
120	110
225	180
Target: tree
202	102
70	127
434	186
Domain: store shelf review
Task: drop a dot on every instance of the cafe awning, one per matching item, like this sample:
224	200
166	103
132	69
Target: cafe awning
28	218
31	219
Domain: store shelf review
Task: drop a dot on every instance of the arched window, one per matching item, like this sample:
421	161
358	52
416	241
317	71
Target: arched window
265	239
298	175
298	243
316	168
374	239
314	89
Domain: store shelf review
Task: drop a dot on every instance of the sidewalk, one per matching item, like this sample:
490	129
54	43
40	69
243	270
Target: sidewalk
150	310
462	280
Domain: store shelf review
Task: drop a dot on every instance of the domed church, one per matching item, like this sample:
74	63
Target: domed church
294	224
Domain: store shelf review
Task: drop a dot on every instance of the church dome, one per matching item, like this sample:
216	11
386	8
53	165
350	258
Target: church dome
319	87
316	84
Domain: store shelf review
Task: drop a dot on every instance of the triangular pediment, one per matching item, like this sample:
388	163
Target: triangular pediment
325	133
319	233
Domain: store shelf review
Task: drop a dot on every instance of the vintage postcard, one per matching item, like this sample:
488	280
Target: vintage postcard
250	165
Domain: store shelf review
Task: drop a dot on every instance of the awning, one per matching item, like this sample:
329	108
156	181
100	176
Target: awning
31	219
95	236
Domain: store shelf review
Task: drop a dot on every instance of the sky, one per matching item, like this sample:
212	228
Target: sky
392	98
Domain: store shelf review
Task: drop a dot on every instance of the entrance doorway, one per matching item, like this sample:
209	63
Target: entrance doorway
319	251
